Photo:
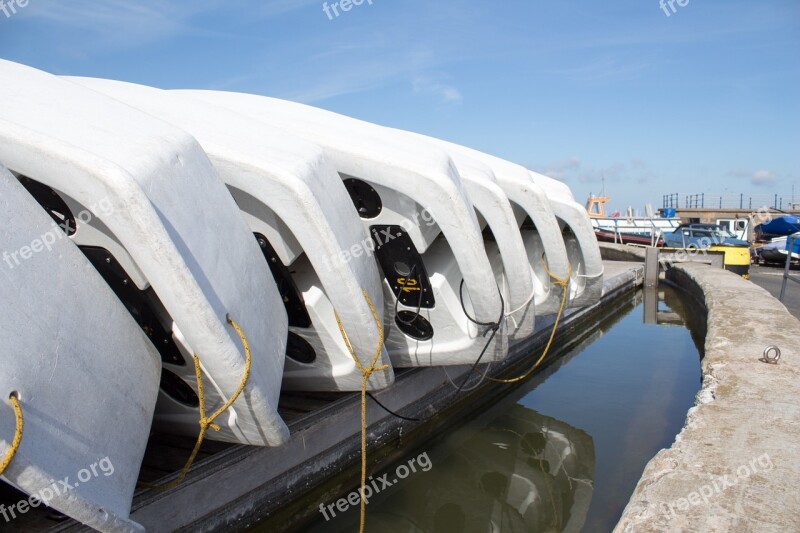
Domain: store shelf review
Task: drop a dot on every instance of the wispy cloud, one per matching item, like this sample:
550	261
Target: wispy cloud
446	94
121	21
572	169
606	68
562	169
758	178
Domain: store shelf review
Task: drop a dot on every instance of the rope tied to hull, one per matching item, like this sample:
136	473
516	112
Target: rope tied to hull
207	422
366	373
20	427
564	284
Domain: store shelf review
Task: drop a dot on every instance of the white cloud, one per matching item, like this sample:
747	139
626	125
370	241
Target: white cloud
446	94
560	170
758	178
573	169
763	177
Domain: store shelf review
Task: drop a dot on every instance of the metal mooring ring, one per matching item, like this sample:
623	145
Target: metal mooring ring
771	360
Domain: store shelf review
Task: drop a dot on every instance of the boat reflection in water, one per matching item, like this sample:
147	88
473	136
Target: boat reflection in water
521	472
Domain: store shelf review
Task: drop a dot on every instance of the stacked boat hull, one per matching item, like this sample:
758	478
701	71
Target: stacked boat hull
279	246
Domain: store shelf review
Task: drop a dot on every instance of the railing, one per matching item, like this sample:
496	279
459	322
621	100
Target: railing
786	275
655	234
728	201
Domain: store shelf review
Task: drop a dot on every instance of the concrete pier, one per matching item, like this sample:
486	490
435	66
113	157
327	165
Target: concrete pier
736	463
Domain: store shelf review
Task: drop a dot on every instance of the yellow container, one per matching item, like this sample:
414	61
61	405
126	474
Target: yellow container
737	259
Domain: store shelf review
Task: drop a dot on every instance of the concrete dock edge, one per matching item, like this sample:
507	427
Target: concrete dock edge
621	252
735	465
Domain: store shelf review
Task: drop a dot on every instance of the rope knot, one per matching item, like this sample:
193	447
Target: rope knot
366	372
207	422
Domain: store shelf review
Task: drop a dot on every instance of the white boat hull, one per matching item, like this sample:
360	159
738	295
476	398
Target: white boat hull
142	184
421	192
292	196
86	375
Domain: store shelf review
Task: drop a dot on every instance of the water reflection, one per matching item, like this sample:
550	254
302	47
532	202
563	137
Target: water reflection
617	395
522	472
664	306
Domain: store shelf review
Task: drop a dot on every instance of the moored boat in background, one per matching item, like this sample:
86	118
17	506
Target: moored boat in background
778	227
776	250
645	231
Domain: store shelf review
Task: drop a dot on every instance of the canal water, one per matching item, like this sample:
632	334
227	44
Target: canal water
562	452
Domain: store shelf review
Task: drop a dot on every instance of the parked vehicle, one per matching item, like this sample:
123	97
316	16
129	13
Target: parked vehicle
713	237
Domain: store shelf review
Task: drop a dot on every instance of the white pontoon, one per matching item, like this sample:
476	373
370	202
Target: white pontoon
296	204
408	194
146	206
85	375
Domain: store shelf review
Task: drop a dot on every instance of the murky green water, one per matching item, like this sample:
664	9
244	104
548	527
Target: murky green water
562	452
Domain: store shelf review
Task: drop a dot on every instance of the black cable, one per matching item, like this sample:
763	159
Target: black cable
392	412
492	326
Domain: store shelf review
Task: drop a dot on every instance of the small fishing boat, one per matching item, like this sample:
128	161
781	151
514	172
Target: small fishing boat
302	216
645	231
427	237
615	236
778	227
131	191
84	375
776	250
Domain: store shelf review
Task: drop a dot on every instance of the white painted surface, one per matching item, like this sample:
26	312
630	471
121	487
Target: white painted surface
533	202
584	251
174	217
411	176
507	255
292	180
86	375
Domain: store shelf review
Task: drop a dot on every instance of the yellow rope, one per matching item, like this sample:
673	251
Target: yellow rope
564	284
366	372
208	422
12	451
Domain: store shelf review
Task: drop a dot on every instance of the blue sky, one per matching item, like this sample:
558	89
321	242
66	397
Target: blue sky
703	100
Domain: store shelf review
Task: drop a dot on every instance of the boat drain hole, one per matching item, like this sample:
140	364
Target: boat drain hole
414	325
178	390
402	268
298	349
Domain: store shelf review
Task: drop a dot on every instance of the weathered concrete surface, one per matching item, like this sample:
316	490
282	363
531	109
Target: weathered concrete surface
621	252
735	466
